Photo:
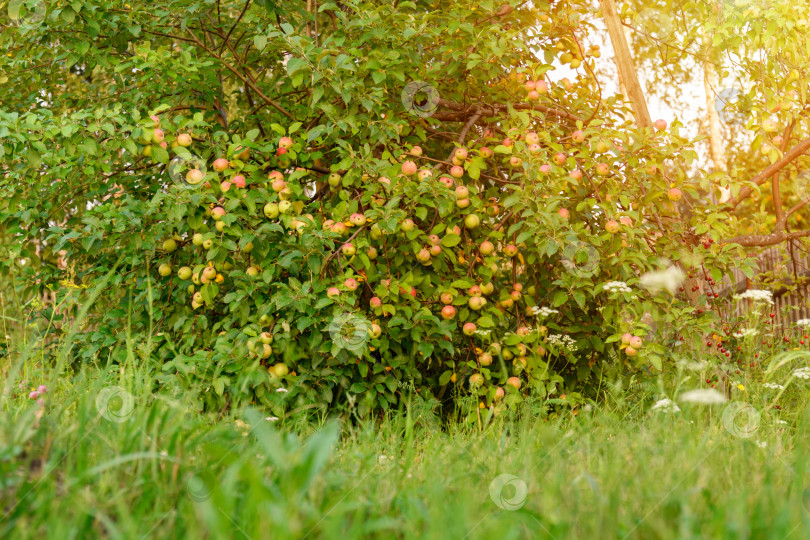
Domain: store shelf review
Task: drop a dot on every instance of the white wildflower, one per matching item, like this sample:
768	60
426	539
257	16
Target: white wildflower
761	444
382	459
272	418
281	390
543	311
781	422
773	386
562	342
669	279
745	332
802	373
482	332
706	396
757	295
803	322
617	286
665	405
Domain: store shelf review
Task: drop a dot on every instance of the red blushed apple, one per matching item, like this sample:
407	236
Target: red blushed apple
523	331
636	342
434	239
475	290
499	393
626	337
578	136
456	171
158	135
485	359
225	186
384	180
603	169
564	213
446	181
435	249
416	151
468	329
507	142
351	284
218	213
462	192
576	174
612	226
155	119
455	229
485	152
409	168
278	185
674	194
184	139
424	174
486	247
447	298
285	142
515	295
275	175
660	124
515	161
357	219
541	87
559	158
220	164
461	153
545	168
476	303
778	140
532	138
533	95
448	312
238	181
624	220
630	351
348	249
513	382
413	292
332	292
476	379
529	86
534	148
510	250
423	256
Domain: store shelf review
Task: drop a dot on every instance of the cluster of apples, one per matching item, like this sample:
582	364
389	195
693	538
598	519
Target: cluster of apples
631	344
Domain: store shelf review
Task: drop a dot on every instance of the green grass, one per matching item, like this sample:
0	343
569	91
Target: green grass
167	471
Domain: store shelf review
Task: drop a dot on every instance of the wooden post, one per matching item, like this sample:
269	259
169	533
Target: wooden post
627	68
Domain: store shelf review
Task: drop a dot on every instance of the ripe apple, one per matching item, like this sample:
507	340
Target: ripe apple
357	219
630	351
351	284
455	229
468	329
529	86
472	221
624	220
252	271
564	213
218	213
475	290
165	270
510	251
447	298
285	142
208	273
559	158
778	140
578	136
461	153
541	87
515	295
275	175
409	168
384	180
674	194
423	256
463	203
435	249
220	164
499	393
424	174
448	312
194	176
513	382
476	379
416	151
626	337
485	359
576	174
545	168
407	225
487	288
486	247
612	226
332	292
485	152
447	181
532	138
462	192
278	185
375	302
225	187
283	206
476	303
375	330
636	342
515	161
271	210
348	249
456	171
184	140
184	273
238	181
603	169
660	124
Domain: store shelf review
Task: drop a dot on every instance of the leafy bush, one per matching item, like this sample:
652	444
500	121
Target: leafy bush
352	201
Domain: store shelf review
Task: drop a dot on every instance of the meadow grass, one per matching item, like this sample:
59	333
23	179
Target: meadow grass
153	467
